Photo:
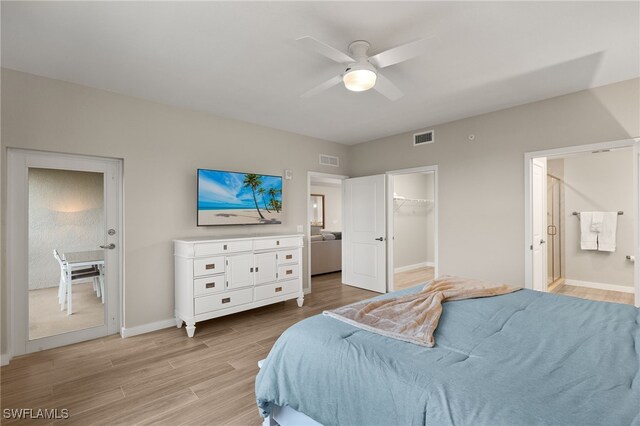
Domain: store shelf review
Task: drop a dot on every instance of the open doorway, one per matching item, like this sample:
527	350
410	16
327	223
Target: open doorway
325	227
64	221
582	222
412	227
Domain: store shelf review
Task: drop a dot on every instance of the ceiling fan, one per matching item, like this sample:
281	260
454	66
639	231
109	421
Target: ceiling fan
362	71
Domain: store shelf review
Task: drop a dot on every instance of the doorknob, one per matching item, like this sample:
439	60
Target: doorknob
110	246
380	239
542	241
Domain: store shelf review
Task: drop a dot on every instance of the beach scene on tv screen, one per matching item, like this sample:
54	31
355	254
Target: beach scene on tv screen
229	198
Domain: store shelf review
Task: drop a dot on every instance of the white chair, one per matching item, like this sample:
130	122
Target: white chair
76	275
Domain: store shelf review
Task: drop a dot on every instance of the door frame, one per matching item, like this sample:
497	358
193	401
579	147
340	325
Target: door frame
579	149
18	246
390	217
307	226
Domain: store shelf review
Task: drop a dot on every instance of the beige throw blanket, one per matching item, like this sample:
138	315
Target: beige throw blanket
414	318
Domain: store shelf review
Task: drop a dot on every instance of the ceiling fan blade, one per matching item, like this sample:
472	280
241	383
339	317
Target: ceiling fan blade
399	53
322	87
325	50
387	88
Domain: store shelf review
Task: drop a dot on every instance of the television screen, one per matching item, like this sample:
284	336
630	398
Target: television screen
230	198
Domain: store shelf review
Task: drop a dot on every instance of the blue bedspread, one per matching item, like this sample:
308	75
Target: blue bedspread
526	358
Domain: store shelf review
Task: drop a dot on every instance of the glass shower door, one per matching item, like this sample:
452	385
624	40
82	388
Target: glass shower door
554	249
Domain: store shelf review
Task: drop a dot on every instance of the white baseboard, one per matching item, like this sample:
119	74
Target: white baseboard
4	359
414	266
600	286
147	328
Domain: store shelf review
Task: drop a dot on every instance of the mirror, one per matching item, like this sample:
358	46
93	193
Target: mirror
317	210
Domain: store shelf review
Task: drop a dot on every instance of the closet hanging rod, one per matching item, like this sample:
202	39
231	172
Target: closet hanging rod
620	212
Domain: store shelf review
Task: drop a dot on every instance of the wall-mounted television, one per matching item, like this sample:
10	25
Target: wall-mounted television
231	198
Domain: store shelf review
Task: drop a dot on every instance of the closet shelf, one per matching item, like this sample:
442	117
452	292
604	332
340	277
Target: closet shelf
402	200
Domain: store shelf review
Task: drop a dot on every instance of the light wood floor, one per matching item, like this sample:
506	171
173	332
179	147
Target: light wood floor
164	377
46	318
412	278
594	294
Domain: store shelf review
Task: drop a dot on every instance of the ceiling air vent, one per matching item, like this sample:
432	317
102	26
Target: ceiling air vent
423	138
329	160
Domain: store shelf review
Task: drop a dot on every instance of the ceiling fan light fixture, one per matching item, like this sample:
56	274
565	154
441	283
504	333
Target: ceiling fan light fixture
359	78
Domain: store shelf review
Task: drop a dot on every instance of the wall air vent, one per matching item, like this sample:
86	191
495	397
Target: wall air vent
329	160
423	138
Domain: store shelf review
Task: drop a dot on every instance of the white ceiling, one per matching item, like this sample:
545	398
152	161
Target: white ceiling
240	60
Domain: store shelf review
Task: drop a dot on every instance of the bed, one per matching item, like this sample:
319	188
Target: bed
517	359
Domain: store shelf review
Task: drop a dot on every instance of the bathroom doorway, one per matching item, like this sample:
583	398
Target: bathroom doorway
582	221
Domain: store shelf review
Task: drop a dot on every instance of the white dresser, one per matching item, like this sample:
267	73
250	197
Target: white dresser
217	277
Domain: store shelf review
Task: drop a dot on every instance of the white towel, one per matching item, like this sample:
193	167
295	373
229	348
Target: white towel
588	238
607	237
596	221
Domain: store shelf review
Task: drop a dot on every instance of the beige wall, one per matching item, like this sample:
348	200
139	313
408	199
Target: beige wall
162	147
65	213
481	182
599	182
333	205
413	227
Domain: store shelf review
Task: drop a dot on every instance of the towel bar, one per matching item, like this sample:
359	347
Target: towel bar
620	212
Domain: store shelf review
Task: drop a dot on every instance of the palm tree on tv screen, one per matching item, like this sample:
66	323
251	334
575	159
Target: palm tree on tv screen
262	193
253	181
275	203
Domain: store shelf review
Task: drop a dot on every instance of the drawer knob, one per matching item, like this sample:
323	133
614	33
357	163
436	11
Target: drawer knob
289	256
289	271
210	266
226	300
278	289
210	285
278	242
224	247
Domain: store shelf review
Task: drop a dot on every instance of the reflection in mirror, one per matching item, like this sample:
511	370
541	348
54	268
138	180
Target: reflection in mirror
317	210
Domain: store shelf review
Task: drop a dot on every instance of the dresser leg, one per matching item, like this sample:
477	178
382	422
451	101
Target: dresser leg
178	322
191	327
300	301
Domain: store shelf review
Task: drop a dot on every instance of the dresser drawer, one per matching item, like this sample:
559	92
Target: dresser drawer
274	243
208	266
208	285
222	300
288	271
273	290
287	256
222	247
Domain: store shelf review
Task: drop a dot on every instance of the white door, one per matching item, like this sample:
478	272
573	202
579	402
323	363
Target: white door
364	238
539	223
240	271
265	264
71	204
